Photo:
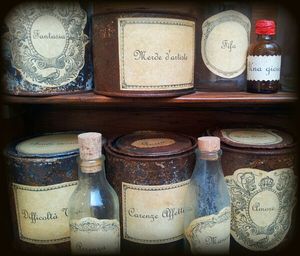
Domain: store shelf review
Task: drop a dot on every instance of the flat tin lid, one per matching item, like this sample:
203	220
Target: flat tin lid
47	145
262	138
152	144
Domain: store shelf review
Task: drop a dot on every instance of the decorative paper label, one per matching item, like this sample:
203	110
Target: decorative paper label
42	212
93	236
262	204
263	68
153	214
153	143
210	234
46	41
225	41
156	53
49	144
252	136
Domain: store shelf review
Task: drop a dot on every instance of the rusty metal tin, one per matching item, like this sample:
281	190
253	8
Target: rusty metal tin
43	174
150	171
44	60
135	54
258	164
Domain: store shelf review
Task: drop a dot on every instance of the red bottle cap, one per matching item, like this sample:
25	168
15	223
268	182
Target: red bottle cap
265	27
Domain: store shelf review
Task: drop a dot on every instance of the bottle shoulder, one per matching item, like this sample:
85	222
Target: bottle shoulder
264	47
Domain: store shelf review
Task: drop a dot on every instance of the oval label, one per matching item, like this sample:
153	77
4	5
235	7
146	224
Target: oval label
48	36
225	41
153	143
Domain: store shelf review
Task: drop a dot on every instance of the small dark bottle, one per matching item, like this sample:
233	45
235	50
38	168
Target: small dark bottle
264	60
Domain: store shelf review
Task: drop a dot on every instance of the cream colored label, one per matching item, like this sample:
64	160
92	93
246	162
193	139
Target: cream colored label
262	206
42	212
225	41
263	68
47	42
153	214
252	136
49	144
210	234
93	236
156	53
153	143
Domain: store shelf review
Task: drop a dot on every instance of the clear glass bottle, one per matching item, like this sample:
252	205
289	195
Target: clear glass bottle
264	60
94	205
207	203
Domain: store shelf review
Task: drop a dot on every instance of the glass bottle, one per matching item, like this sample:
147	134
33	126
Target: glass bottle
264	60
94	205
207	202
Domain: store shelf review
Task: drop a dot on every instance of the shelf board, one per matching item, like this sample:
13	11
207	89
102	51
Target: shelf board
194	99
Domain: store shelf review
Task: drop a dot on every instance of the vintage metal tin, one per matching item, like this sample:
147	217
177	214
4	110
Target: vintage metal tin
150	172
143	54
43	174
47	49
258	164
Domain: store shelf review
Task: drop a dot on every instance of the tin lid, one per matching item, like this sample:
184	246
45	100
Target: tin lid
152	144
260	138
47	145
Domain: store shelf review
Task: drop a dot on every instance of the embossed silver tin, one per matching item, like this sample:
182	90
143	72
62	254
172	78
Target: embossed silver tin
47	49
258	164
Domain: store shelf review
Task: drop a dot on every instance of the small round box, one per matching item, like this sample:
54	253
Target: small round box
258	164
43	174
150	172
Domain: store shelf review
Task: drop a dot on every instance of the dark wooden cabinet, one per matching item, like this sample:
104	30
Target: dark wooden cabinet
190	114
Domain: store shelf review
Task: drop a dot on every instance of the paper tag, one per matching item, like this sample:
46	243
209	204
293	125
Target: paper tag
225	41
210	234
263	68
153	214
42	212
262	204
47	42
93	236
156	53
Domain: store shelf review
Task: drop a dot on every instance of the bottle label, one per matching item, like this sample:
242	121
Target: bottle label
225	41
258	137
263	68
49	144
153	143
153	214
93	236
156	53
210	234
47	42
42	212
262	204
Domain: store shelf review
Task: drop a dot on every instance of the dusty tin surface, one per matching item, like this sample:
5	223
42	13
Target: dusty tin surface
117	67
58	57
149	158
34	172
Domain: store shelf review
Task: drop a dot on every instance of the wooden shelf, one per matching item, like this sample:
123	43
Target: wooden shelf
194	99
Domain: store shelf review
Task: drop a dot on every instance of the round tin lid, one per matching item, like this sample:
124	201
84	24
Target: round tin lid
152	144
48	145
262	138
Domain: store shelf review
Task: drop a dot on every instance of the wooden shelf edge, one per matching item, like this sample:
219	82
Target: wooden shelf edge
196	98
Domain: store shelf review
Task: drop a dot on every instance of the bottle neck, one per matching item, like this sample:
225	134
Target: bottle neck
265	37
91	171
210	156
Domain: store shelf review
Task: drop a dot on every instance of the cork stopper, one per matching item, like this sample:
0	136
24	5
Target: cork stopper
90	145
209	144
